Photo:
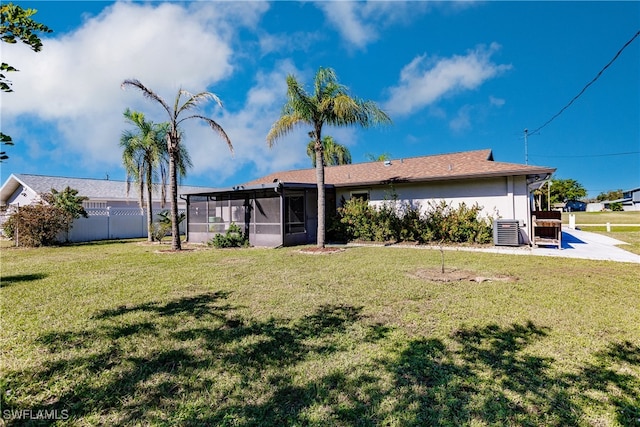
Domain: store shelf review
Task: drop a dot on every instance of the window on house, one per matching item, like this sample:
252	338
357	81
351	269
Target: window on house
364	195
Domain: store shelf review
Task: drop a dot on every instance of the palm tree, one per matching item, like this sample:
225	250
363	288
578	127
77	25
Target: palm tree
334	153
145	159
329	104
174	136
380	158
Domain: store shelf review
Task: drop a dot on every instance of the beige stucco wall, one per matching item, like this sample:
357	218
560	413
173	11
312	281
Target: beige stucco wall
501	197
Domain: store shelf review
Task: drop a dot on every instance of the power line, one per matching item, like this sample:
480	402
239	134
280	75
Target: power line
592	155
587	85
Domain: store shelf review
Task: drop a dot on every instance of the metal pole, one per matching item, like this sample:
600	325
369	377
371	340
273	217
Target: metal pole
17	224
526	147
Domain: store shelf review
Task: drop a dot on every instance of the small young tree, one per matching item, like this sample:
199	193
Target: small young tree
69	204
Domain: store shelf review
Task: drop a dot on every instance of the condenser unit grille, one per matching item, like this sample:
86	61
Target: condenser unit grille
506	232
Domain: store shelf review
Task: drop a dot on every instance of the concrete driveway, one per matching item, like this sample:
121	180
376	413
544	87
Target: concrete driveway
585	245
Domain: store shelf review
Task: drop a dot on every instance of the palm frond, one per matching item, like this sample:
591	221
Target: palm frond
193	100
214	126
148	93
283	126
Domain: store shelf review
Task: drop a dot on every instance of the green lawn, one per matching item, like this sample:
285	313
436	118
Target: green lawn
627	217
119	333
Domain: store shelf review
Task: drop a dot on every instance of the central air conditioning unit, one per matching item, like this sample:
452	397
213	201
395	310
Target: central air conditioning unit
506	232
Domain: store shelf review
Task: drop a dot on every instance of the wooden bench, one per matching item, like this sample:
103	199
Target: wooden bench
547	228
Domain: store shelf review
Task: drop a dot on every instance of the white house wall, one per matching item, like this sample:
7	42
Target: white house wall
23	196
503	197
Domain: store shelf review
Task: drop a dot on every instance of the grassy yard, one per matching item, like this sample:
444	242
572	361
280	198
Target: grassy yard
614	218
119	333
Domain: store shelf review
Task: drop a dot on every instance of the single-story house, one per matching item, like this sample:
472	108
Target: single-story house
114	212
280	209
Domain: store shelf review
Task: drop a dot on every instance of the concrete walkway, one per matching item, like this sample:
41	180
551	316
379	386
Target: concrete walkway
577	244
582	244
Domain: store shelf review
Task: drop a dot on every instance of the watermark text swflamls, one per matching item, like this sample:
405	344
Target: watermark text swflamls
35	414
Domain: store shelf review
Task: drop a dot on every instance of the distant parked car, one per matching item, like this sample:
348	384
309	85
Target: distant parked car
575	206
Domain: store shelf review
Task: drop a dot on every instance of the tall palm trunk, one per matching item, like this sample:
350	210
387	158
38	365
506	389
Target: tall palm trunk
321	195
149	205
173	183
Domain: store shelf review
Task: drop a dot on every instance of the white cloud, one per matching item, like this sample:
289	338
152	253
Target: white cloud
359	22
346	17
287	42
496	102
462	121
73	84
425	80
468	115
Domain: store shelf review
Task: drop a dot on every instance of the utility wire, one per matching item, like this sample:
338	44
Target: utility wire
593	155
588	84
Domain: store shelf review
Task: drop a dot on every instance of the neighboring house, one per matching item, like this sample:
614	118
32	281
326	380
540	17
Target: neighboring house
113	212
280	209
630	201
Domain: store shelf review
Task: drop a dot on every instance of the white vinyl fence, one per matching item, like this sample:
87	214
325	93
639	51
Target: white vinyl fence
111	223
107	223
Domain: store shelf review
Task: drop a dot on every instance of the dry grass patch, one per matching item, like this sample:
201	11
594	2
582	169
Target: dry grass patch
454	275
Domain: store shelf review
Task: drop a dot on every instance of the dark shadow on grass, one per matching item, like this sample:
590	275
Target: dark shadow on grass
15	278
197	306
99	372
206	365
612	375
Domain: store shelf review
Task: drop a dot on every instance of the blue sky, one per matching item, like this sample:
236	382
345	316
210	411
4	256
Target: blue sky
452	76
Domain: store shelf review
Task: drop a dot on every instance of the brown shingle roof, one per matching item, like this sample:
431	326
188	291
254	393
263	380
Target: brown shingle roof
442	167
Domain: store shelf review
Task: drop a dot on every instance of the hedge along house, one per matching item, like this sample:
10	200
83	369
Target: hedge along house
280	209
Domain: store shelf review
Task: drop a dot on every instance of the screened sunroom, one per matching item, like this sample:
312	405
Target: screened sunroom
279	214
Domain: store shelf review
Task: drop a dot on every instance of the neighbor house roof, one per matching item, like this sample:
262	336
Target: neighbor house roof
441	167
94	189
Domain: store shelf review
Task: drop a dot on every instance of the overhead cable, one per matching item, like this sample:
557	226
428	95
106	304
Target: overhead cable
592	155
588	84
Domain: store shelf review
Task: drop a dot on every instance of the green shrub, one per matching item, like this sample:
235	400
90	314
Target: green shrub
357	216
160	230
616	206
413	227
458	225
394	221
233	238
37	225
